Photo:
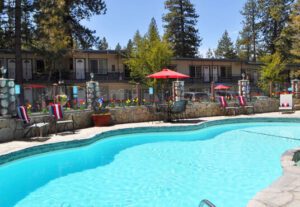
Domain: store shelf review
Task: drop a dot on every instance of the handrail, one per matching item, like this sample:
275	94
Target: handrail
206	202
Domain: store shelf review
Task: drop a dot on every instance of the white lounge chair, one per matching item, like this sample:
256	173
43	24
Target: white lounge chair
286	103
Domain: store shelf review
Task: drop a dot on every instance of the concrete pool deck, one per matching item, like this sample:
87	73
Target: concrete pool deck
284	192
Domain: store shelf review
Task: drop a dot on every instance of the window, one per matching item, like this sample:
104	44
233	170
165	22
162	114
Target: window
126	71
226	71
71	64
113	68
196	71
94	66
40	66
102	66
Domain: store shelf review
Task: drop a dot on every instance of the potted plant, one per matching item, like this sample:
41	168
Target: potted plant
102	116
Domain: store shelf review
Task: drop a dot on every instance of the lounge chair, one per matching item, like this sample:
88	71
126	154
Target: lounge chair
286	103
243	103
177	110
26	124
225	107
56	111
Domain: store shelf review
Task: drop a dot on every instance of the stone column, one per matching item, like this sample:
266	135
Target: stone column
7	97
244	88
177	90
93	94
296	87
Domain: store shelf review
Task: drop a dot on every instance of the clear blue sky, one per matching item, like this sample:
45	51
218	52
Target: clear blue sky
124	17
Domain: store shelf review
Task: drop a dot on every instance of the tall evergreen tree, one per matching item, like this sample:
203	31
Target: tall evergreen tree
180	27
225	47
103	44
274	18
242	46
153	34
128	48
149	54
295	28
249	36
52	41
118	47
209	53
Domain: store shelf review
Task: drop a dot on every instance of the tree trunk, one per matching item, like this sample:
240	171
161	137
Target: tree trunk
271	88
182	52
19	71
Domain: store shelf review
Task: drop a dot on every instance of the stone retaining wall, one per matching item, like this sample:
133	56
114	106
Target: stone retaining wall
194	110
129	115
11	129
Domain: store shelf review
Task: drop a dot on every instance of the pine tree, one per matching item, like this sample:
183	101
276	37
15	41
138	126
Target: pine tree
53	41
180	27
271	71
118	47
274	18
242	47
153	34
209	53
128	48
102	45
225	47
149	54
295	28
251	28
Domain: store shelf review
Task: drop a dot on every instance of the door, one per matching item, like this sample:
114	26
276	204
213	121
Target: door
80	71
28	95
206	73
11	68
27	69
255	77
215	73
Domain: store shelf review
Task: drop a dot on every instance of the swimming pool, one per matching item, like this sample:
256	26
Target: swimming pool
227	164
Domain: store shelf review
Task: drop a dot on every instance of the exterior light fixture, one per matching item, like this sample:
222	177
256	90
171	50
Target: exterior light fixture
3	72
92	76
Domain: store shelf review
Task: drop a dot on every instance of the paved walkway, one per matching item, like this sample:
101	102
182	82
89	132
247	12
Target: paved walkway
285	192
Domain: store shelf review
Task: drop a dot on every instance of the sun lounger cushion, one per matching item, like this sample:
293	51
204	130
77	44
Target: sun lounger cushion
57	112
23	115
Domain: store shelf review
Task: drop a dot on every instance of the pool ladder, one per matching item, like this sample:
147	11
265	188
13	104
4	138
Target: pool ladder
206	203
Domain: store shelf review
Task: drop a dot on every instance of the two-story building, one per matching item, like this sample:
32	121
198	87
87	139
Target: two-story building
109	69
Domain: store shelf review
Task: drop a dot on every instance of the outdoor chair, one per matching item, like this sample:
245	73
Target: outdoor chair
177	110
243	104
56	111
286	103
225	107
23	118
156	110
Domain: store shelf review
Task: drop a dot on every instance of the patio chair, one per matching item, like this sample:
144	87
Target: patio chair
286	103
178	109
225	107
23	118
56	111
243	104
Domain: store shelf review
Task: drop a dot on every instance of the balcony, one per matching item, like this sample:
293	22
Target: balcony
70	77
232	79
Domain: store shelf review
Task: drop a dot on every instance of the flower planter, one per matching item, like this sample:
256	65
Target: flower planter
102	119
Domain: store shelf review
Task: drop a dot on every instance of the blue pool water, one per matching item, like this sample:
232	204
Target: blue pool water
227	164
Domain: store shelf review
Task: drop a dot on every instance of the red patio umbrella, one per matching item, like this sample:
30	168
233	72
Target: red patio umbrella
34	86
221	87
167	73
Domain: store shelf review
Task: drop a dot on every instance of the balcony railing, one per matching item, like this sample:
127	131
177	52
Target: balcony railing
193	80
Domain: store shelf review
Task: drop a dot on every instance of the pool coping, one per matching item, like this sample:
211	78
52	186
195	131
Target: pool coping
264	198
285	191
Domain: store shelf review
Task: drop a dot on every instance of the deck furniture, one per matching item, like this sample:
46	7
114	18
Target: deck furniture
225	107
56	111
27	124
286	103
243	104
